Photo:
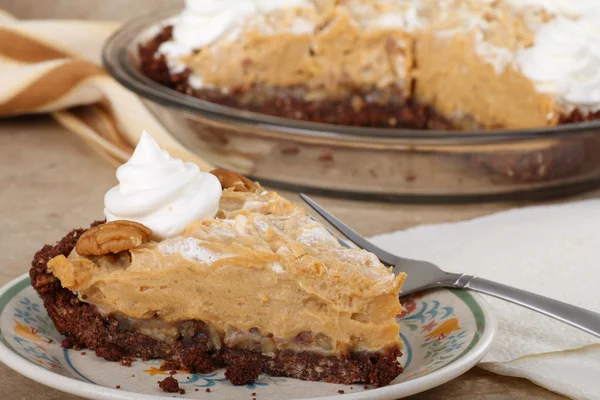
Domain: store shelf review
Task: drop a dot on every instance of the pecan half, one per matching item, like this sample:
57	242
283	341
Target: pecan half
112	237
236	181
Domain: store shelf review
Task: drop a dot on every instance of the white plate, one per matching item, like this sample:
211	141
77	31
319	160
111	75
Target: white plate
445	332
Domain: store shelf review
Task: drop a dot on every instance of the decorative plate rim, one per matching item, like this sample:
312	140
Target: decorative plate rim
465	361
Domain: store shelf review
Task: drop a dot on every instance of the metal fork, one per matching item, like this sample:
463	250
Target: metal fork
425	275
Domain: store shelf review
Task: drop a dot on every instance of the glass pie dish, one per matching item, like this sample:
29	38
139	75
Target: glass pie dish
363	163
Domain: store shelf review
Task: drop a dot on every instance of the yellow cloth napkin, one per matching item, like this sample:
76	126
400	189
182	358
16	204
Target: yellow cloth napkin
54	67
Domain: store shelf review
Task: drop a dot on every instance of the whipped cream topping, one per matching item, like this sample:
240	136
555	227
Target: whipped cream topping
163	193
565	60
387	14
571	8
192	249
204	22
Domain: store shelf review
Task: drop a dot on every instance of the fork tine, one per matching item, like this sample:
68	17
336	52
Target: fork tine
351	234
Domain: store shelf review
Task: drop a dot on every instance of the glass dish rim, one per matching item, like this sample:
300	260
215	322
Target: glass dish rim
118	62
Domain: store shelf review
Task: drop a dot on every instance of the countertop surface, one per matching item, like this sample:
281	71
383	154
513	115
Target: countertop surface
51	182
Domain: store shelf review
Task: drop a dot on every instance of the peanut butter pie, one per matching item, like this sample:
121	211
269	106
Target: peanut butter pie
453	64
209	271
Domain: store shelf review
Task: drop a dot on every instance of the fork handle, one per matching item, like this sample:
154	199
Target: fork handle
578	317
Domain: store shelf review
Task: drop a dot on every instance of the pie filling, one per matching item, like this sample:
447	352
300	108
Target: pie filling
365	105
265	266
194	345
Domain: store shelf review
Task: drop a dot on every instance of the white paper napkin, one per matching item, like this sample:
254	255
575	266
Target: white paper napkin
550	250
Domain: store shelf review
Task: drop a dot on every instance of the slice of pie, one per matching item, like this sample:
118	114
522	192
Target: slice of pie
257	287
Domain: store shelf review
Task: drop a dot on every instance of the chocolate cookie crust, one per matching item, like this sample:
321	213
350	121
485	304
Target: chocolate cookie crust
83	326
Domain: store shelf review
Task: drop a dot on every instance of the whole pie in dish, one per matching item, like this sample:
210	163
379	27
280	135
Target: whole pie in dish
209	271
451	64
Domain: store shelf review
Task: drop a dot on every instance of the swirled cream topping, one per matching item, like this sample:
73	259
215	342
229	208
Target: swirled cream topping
565	60
163	193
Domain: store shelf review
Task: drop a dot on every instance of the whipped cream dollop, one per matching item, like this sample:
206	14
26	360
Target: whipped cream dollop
565	60
163	193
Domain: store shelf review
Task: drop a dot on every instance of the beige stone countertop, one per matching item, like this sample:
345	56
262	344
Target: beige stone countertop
51	182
